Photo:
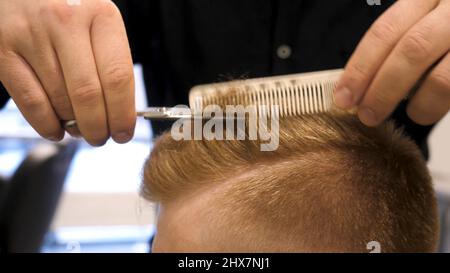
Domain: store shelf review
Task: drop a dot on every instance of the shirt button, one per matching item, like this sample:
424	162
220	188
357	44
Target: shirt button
284	52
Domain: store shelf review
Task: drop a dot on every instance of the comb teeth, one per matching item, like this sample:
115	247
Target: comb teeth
297	94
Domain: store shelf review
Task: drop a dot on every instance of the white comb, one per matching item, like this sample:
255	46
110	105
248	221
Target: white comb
296	94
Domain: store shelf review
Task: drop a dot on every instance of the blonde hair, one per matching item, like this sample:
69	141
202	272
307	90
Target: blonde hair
332	185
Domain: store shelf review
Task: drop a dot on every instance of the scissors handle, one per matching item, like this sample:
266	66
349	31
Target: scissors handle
151	113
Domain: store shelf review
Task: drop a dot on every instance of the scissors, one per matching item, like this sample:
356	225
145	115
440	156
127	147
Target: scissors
160	113
152	113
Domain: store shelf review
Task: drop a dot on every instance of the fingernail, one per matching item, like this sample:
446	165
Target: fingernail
122	137
54	139
343	98
367	116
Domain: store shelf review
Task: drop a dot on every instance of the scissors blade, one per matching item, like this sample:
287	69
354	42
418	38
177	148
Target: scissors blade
151	113
170	113
162	113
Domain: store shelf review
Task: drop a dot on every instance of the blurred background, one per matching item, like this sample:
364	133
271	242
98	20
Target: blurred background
94	203
70	197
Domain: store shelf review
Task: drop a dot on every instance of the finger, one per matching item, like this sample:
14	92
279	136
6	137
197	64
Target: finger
115	68
375	47
432	100
416	52
74	50
41	56
25	89
46	65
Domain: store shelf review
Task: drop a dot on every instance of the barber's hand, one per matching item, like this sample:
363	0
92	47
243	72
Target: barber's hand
68	59
407	46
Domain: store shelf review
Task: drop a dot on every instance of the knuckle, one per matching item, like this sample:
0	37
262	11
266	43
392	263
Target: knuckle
21	25
107	8
358	72
87	93
32	102
383	99
59	10
118	75
415	48
13	32
383	30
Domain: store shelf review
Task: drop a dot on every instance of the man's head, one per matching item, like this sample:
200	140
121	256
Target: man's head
332	185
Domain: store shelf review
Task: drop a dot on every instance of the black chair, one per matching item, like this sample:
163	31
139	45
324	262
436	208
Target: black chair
29	200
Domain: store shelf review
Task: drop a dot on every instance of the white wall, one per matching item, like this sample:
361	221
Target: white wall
439	163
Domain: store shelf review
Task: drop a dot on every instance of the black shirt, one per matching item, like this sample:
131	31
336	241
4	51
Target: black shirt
184	43
181	43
